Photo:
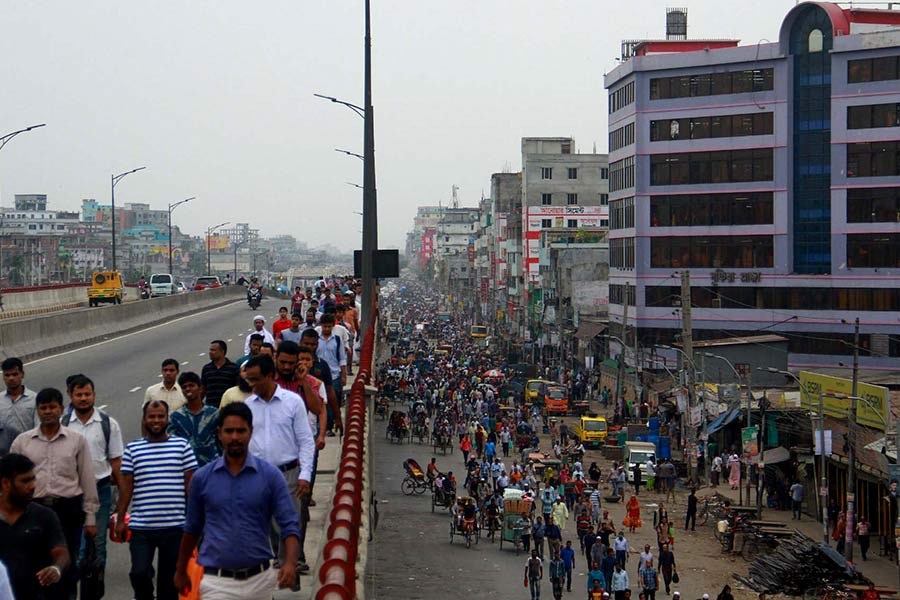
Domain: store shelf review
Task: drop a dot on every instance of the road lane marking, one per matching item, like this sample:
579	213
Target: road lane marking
134	389
125	335
182	364
201	354
229	340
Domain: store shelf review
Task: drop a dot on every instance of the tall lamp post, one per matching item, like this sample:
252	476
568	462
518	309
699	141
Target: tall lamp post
4	139
115	179
172	207
209	232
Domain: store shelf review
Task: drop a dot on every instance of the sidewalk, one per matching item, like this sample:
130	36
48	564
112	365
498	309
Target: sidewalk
323	494
880	569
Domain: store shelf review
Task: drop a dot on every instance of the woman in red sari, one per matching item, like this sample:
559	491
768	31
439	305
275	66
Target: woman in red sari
633	516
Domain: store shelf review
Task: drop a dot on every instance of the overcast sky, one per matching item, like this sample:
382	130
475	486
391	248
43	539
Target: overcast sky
216	99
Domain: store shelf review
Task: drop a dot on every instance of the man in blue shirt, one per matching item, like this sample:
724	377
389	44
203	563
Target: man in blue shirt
568	557
236	554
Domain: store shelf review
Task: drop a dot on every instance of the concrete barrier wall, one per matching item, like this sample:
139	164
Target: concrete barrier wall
15	299
33	337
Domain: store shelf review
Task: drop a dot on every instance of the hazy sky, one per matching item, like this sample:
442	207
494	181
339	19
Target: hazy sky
215	98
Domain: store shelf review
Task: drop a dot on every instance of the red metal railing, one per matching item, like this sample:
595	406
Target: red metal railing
337	574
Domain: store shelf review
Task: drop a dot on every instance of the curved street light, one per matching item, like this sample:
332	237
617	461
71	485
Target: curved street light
173	206
209	232
115	179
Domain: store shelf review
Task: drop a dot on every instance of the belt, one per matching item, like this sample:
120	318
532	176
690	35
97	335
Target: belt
103	481
51	501
239	574
289	465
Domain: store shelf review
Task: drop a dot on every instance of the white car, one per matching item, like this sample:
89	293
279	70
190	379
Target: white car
162	284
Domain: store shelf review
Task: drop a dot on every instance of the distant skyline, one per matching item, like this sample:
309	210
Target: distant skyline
216	100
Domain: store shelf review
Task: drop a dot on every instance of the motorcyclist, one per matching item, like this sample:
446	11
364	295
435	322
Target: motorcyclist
254	288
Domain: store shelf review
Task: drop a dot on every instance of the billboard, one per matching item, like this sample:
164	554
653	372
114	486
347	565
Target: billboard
871	413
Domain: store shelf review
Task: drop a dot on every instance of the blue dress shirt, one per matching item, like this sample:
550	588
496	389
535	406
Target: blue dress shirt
233	513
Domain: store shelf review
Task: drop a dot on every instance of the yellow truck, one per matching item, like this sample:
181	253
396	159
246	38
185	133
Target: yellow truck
106	286
590	429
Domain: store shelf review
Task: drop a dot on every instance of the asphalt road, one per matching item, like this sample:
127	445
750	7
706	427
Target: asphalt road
123	367
412	557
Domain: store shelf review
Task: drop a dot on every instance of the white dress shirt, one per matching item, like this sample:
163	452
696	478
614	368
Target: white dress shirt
172	397
281	431
96	441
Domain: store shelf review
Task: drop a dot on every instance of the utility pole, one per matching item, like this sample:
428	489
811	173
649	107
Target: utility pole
620	378
370	193
823	479
851	454
687	340
559	309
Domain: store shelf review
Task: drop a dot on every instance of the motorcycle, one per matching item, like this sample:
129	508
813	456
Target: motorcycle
254	297
144	292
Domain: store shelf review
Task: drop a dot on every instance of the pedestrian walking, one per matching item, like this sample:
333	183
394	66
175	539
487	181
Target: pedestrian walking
690	517
636	478
195	420
104	441
282	435
649	580
524	525
32	544
796	492
862	535
667	565
620	583
595	576
557	574
554	537
235	552
18	410
219	374
715	471
167	390
620	545
156	473
537	536
568	557
608	566
465	444
534	572
64	474
725	594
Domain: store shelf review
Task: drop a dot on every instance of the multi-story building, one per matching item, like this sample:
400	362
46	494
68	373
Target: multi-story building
454	248
769	172
30	216
506	200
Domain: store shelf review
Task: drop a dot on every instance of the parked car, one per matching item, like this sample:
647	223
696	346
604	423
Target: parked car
180	287
206	282
162	284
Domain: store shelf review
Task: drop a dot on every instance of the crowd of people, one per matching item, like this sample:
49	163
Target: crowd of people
456	390
223	455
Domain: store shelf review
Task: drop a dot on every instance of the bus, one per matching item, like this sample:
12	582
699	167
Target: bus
478	331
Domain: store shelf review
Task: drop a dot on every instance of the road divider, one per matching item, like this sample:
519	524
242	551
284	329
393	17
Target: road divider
34	337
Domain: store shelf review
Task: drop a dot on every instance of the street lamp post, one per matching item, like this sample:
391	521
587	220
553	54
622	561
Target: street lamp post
172	207
115	179
208	234
4	139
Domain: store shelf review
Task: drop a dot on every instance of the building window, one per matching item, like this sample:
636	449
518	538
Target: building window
604	173
571	199
621	137
695	128
546	199
717	252
604	199
621	174
622	213
573	173
883	68
727	166
621	294
604	223
621	97
873	159
873	115
546	223
572	223
873	251
873	205
704	210
621	253
712	84
546	172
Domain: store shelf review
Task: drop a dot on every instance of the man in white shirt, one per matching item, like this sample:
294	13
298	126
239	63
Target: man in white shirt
104	440
281	431
259	326
167	390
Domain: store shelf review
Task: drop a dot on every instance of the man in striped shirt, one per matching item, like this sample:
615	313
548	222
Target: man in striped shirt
156	472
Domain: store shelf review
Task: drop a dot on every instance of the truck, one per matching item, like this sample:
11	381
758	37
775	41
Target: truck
106	286
556	400
590	430
637	453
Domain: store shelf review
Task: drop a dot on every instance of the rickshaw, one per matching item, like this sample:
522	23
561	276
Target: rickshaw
419	422
442	439
541	465
441	499
464	526
511	532
398	427
415	481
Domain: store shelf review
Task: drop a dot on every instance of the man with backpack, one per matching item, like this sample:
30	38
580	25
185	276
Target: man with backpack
104	440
